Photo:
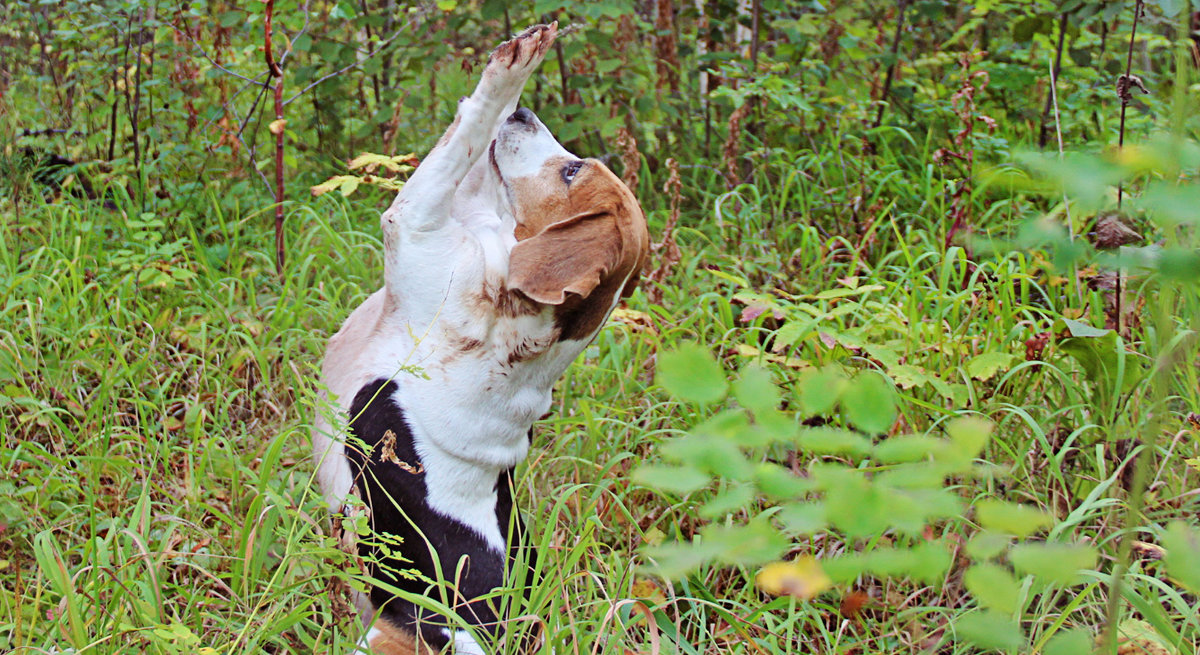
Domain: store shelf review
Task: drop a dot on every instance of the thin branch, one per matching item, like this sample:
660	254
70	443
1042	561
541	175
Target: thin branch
1109	634
219	67
382	46
1066	203
278	129
303	28
1062	34
891	71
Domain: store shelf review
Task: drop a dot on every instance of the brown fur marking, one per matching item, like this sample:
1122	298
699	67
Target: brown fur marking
393	640
585	240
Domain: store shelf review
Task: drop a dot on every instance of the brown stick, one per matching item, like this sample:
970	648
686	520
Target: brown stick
277	128
1044	132
891	71
1108	636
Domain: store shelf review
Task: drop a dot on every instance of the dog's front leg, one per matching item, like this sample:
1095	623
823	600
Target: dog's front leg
424	202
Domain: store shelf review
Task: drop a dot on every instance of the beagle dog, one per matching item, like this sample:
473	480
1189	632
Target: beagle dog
504	255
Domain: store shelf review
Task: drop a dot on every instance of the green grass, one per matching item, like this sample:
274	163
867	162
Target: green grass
158	492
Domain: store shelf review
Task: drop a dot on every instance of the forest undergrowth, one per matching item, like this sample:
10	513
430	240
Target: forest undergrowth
914	367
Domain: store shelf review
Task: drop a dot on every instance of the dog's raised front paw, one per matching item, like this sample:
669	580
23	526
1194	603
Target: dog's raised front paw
513	61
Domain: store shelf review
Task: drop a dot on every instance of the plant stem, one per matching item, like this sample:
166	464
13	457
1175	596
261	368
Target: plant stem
1141	466
277	128
1043	134
891	71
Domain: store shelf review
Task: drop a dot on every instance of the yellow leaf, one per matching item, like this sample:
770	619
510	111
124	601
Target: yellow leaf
801	577
637	321
277	125
746	350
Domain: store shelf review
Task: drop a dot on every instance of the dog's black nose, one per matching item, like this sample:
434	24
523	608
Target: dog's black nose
523	116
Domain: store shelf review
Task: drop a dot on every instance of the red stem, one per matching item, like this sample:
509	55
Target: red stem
277	73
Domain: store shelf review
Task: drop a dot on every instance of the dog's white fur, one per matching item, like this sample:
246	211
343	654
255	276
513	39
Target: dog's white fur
435	329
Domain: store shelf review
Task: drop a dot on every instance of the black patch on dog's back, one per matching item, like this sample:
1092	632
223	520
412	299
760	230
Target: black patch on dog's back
408	532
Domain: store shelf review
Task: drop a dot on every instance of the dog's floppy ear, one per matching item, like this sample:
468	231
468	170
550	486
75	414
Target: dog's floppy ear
570	256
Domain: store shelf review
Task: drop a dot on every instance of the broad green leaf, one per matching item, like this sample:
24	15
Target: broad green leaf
753	544
907	448
804	517
985	366
778	483
968	436
832	441
1172	204
907	376
870	403
819	391
1183	554
986	545
1053	562
755	390
1102	356
989	630
1078	328
679	480
691	373
927	562
1077	641
856	506
711	454
1011	518
736	497
993	587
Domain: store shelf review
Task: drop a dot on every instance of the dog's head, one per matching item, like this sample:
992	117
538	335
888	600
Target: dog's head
580	232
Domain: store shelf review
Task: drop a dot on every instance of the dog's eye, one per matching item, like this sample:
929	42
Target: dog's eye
569	171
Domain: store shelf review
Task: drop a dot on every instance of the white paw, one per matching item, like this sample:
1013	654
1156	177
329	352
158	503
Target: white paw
513	61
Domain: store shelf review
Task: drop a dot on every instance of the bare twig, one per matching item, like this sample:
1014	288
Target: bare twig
215	65
1043	133
1109	634
277	128
1123	89
1066	203
891	71
382	47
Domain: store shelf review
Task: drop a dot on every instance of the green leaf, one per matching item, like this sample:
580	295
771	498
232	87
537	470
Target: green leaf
819	391
993	587
986	545
990	630
711	454
870	404
691	373
968	436
985	366
1101	354
755	390
1077	641
803	518
832	441
1011	518
1078	328
1053	562
679	480
1183	554
907	448
737	497
927	562
778	483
